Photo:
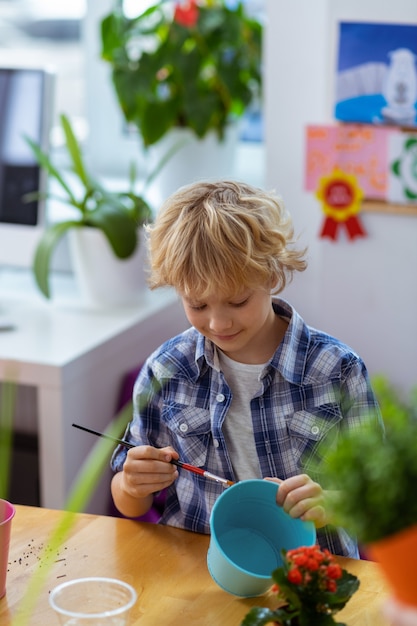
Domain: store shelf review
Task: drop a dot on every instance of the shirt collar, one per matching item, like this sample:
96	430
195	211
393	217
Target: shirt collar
205	354
290	356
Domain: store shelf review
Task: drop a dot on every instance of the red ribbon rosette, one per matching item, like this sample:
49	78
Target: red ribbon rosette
340	197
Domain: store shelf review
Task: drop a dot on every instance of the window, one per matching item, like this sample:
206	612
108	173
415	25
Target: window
47	33
60	34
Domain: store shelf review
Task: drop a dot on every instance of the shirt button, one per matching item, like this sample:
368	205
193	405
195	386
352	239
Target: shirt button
315	430
216	443
183	427
220	397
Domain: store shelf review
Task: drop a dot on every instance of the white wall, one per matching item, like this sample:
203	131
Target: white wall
363	292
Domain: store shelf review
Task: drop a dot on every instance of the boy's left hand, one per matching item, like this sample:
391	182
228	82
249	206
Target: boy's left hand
302	498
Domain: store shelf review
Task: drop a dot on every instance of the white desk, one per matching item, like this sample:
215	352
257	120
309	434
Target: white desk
76	358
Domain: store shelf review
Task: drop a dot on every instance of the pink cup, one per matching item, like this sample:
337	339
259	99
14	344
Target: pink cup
7	512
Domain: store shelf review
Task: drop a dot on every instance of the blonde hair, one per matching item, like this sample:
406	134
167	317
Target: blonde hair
222	235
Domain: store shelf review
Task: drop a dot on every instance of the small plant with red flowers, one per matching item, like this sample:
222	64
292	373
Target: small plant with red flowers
310	587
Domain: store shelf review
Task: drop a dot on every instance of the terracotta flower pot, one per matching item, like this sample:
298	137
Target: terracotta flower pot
397	557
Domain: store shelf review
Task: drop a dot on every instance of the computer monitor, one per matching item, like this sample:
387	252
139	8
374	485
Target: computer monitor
26	98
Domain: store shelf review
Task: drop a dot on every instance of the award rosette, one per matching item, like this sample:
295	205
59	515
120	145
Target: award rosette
341	197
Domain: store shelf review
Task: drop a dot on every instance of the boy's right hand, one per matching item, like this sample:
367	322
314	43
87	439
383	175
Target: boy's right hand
148	470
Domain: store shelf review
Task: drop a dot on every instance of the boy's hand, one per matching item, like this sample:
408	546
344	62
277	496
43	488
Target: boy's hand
148	470
302	498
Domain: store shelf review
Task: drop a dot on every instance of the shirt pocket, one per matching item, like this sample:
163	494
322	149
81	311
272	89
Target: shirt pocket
191	431
312	432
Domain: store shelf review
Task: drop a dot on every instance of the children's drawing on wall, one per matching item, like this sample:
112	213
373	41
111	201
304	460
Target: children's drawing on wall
383	159
377	74
357	149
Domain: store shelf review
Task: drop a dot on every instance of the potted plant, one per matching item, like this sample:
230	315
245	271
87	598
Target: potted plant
184	73
193	64
310	588
114	215
377	482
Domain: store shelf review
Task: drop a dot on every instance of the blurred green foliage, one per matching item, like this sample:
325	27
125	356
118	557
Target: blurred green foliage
376	477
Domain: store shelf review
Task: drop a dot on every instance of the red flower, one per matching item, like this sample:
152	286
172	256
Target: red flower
334	571
320	557
295	576
186	13
312	564
306	588
300	559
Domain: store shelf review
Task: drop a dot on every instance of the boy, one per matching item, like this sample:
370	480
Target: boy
249	391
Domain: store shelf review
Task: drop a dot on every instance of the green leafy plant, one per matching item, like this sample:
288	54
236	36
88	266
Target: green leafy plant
195	64
118	214
310	586
376	477
7	410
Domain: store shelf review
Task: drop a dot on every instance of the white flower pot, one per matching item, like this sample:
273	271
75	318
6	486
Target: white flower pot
103	279
196	159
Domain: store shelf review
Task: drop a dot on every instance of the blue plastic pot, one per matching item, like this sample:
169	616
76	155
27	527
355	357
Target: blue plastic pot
248	532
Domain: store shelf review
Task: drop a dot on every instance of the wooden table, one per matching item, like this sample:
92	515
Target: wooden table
167	567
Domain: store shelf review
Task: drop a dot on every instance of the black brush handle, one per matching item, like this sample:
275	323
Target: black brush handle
95	432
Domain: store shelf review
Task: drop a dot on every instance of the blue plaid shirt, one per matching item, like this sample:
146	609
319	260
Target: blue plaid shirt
313	387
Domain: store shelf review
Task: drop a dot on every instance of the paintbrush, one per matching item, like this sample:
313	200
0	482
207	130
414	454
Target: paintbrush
186	466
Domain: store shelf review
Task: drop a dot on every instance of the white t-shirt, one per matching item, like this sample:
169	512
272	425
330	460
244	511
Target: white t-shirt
244	381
